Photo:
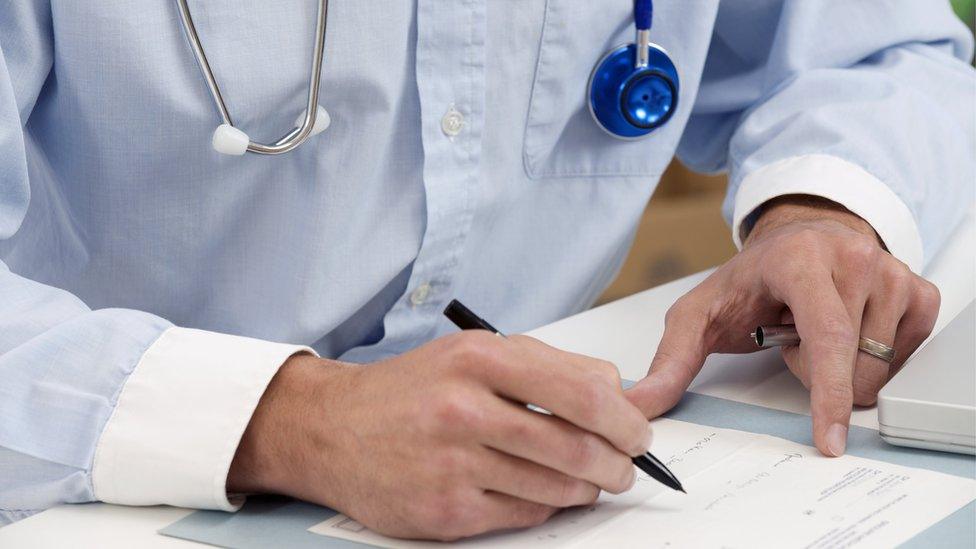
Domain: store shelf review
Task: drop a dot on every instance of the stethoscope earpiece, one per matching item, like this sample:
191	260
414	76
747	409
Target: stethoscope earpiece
322	120
228	139
233	141
633	89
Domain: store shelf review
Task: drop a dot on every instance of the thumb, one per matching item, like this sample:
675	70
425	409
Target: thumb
678	360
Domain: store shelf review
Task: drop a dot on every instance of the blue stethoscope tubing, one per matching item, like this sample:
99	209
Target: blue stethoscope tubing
633	89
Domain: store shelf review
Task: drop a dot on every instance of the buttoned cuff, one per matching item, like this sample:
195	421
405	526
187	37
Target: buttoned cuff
179	419
843	182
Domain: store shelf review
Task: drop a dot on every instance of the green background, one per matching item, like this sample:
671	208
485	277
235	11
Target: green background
966	10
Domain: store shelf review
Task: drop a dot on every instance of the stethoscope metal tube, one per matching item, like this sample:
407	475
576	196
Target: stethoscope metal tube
297	135
643	55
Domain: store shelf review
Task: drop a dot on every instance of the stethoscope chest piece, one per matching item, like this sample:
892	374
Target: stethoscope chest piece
631	99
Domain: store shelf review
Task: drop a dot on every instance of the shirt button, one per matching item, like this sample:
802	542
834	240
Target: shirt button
453	122
420	294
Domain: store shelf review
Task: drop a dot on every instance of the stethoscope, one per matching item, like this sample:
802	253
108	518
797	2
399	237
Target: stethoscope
632	90
227	138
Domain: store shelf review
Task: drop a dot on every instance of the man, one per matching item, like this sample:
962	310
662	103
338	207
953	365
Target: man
461	162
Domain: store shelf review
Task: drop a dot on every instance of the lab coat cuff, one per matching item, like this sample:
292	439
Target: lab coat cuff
179	419
838	180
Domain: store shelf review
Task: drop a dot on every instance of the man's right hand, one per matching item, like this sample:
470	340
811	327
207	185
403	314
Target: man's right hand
436	443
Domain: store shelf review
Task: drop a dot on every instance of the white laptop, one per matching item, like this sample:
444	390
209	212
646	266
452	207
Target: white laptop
931	402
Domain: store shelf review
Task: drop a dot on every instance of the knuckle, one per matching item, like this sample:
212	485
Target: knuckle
528	341
929	297
537	514
570	491
898	277
810	241
608	371
690	311
861	252
454	411
838	330
838	392
473	348
584	454
591	401
674	311
681	310
797	267
526	514
602	381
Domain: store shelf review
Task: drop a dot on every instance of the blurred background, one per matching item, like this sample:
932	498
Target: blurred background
682	231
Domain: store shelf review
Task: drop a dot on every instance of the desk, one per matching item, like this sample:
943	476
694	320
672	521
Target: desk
625	332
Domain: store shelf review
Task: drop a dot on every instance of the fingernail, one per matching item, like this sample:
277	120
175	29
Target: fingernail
836	439
633	479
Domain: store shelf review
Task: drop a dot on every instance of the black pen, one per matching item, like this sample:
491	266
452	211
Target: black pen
464	318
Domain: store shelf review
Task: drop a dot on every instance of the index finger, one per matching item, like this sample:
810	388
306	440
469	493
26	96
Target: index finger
581	390
828	349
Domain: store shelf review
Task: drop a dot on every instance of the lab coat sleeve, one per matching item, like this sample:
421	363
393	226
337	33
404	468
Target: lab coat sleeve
869	104
112	404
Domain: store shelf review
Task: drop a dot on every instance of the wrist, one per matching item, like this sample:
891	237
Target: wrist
790	209
272	449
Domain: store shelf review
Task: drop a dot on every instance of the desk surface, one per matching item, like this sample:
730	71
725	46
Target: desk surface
625	332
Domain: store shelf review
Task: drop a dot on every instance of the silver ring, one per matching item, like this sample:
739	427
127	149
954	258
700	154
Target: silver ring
876	349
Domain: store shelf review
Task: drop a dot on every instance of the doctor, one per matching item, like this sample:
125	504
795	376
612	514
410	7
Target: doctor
179	326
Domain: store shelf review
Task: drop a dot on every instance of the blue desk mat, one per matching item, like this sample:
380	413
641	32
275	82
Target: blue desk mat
281	522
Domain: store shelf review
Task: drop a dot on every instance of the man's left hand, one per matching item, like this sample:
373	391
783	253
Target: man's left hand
810	262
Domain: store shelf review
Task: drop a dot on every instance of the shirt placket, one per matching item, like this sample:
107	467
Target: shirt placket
450	80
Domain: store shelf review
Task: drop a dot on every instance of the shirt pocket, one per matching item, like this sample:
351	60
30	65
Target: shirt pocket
561	137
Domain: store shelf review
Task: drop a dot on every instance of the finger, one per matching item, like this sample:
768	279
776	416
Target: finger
588	397
917	323
880	323
678	359
828	349
794	362
530	481
791	353
503	511
558	445
853	298
882	314
587	363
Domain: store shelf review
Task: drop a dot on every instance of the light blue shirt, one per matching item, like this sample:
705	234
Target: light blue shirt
118	220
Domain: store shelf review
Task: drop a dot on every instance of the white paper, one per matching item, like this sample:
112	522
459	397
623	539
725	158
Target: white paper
744	490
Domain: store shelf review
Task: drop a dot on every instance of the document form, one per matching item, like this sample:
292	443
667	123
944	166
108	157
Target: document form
744	490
